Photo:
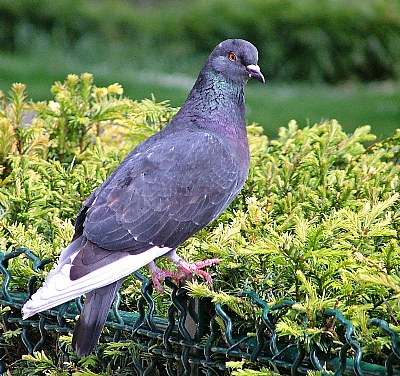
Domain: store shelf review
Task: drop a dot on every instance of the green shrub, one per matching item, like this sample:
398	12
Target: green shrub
317	222
67	148
324	40
308	40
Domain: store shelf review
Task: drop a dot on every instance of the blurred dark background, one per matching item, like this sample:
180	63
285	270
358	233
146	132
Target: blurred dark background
321	58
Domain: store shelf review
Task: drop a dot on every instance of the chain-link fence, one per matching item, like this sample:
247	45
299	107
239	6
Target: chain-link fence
196	337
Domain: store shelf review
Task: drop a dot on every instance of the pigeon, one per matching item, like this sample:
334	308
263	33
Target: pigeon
168	188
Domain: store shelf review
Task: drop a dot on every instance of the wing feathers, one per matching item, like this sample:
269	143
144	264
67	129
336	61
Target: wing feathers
151	203
59	288
184	180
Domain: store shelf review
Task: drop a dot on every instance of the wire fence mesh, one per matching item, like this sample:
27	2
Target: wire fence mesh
196	337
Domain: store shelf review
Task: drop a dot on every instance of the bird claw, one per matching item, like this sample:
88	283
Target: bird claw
185	268
159	276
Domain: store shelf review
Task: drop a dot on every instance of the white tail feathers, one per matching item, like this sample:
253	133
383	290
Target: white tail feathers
58	287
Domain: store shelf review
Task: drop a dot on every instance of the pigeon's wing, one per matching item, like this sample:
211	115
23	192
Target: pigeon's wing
159	196
162	196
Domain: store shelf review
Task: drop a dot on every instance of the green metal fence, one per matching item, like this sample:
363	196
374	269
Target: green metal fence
197	337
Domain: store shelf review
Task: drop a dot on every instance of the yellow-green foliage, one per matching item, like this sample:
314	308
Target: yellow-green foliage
55	153
317	221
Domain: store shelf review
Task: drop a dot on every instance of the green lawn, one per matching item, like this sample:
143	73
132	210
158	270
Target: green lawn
272	105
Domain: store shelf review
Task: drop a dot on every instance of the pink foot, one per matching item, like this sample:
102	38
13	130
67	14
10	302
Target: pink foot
158	275
185	268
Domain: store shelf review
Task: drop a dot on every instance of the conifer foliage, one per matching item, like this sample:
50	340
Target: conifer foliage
317	222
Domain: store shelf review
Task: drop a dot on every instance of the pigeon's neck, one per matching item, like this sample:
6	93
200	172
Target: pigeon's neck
216	103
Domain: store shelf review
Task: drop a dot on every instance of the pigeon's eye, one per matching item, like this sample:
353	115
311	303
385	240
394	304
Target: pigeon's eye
232	56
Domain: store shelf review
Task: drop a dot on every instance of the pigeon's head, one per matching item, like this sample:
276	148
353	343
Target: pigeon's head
236	60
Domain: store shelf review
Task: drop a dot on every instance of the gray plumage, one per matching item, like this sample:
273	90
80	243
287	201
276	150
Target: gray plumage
168	188
92	318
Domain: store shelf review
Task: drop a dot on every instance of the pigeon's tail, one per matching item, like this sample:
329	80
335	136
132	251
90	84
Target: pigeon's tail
59	288
93	316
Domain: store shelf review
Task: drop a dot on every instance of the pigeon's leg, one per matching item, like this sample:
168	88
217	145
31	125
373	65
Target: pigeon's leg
186	268
158	275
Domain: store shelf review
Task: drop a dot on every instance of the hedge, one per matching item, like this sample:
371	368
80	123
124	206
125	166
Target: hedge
317	222
317	40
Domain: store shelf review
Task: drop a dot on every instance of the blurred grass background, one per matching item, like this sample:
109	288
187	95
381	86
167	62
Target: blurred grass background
322	58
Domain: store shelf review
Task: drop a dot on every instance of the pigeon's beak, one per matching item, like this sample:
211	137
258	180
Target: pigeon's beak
255	72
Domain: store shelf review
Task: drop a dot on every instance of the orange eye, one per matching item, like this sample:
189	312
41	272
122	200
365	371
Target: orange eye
232	56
